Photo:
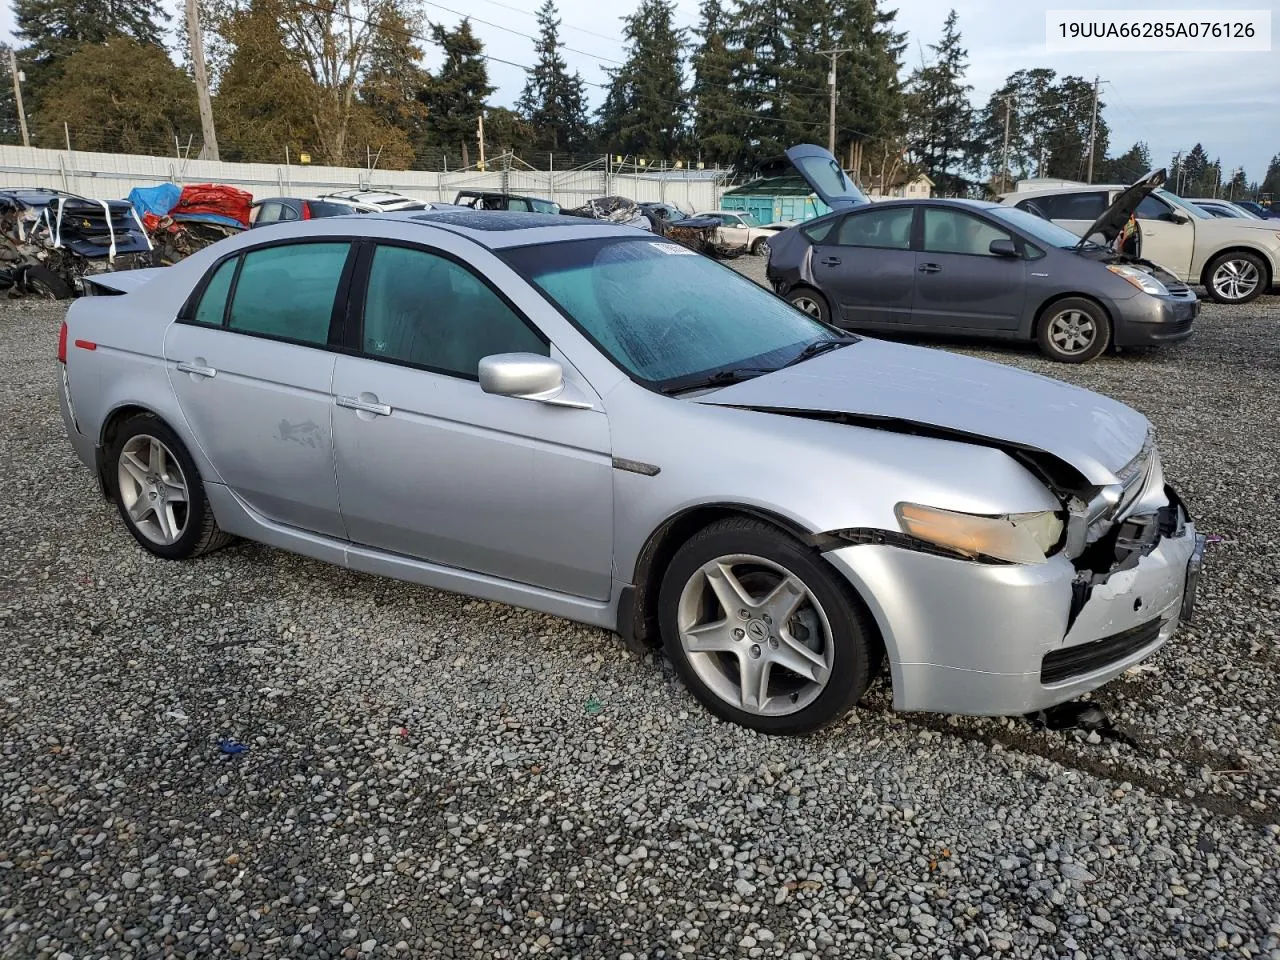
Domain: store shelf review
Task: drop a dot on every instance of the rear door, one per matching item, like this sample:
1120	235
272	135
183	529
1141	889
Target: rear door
866	266
252	369
960	284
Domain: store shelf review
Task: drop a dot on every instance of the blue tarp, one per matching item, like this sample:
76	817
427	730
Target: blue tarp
210	218
159	199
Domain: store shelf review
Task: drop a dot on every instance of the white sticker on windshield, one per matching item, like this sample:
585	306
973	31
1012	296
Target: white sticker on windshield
673	248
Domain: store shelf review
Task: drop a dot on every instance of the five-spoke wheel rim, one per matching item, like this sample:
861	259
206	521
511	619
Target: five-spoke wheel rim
755	635
1235	279
1072	331
807	305
153	489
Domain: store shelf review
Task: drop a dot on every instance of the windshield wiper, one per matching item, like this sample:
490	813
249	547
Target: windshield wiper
817	347
718	379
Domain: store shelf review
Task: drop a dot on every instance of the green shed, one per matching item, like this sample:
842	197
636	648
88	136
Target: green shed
770	199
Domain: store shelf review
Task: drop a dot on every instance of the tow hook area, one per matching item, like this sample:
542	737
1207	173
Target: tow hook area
1080	715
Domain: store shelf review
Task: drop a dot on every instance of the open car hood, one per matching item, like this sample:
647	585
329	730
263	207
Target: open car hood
1113	219
820	170
891	386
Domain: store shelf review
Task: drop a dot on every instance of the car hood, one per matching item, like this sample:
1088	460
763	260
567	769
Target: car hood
894	386
1113	219
1232	226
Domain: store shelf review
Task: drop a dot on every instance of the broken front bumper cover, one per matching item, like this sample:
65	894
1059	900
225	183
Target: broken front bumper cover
973	638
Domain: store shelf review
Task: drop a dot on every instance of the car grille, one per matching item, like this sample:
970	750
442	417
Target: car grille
1084	658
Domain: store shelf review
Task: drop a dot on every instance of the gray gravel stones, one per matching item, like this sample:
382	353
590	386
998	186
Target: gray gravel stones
423	778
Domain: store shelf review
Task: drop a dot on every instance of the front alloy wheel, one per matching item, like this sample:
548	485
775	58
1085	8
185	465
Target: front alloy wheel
1236	278
755	635
1073	331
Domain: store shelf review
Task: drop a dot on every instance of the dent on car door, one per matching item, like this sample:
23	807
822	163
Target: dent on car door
960	283
432	467
251	367
866	267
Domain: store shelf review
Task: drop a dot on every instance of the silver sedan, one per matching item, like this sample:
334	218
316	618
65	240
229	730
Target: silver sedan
586	420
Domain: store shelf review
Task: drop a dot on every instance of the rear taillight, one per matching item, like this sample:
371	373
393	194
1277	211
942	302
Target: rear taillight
62	342
306	210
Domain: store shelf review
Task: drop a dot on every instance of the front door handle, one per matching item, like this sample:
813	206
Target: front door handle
197	368
365	406
830	261
929	268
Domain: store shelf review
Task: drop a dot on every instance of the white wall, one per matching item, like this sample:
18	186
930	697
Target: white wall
109	176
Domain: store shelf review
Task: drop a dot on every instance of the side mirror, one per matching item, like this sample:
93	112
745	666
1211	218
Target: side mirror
1002	247
526	376
1179	218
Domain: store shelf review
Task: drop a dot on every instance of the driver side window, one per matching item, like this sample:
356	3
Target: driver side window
1152	208
428	311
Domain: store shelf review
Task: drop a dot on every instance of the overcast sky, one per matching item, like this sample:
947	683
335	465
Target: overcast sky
1230	102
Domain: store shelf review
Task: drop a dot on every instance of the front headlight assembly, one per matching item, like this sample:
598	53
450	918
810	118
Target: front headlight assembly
1014	538
1140	279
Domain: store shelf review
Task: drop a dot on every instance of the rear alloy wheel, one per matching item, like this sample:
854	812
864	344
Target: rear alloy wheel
811	302
1073	331
159	493
1236	277
762	631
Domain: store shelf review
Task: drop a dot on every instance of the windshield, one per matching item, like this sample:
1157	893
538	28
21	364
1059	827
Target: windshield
1190	209
665	314
1033	226
749	219
544	206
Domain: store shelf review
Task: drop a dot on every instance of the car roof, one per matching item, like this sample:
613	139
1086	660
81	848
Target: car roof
1046	191
502	229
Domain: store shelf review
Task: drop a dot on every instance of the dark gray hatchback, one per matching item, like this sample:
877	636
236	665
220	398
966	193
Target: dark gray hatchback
975	269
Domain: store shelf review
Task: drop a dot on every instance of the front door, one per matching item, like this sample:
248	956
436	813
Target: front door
430	466
1165	240
960	283
253	373
866	267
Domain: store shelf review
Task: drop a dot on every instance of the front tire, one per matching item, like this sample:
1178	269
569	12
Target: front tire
158	491
1074	330
760	248
762	631
1235	277
810	301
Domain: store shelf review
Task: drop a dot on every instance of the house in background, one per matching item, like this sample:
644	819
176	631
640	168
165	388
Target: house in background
918	188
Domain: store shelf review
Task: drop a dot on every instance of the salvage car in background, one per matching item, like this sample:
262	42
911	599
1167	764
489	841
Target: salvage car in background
284	209
497	200
382	201
596	423
50	240
182	220
977	269
1235	260
1223	209
741	230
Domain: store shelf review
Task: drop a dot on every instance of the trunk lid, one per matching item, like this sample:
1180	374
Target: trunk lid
821	171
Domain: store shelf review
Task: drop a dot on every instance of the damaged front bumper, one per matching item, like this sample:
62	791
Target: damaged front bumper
1005	639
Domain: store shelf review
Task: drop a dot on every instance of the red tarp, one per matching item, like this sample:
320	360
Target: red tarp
215	199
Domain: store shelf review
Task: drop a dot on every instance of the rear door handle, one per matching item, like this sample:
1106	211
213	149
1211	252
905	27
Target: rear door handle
197	368
365	406
929	268
830	261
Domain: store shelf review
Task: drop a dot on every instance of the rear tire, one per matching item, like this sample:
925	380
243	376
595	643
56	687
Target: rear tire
762	631
1073	330
158	490
810	301
43	284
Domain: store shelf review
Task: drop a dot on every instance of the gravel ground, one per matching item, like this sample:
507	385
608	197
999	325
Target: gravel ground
426	775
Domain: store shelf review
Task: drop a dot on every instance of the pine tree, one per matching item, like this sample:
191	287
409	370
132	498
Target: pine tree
719	116
553	101
1237	188
644	111
456	95
758	28
395	81
871	115
1126	168
1271	182
52	30
941	116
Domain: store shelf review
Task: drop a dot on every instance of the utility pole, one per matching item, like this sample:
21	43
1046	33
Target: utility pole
17	97
210	149
1093	128
833	55
480	127
1004	174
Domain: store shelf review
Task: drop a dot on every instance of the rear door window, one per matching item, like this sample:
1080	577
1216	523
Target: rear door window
887	229
287	291
213	302
1074	206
